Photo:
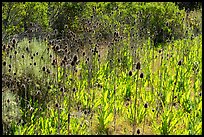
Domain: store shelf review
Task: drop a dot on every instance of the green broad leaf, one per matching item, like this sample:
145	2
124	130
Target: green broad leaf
108	119
106	107
168	98
97	103
199	128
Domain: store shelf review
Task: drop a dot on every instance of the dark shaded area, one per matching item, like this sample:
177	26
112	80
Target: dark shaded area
189	6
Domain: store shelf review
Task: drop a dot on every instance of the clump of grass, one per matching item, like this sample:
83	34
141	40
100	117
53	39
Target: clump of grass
11	111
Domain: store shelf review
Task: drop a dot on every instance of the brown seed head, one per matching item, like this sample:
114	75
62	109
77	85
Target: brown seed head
138	131
130	73
145	105
179	63
141	75
138	65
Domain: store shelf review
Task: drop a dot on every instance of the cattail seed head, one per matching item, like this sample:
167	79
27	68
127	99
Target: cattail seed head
14	41
75	58
62	89
43	68
72	63
200	94
4	63
48	87
145	105
138	65
84	53
65	58
138	131
130	73
141	75
27	49
48	71
152	110
56	105
179	63
57	48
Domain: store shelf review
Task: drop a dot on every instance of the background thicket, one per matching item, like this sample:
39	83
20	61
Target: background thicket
161	21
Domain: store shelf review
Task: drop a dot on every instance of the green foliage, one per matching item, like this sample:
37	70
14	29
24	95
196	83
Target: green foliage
16	17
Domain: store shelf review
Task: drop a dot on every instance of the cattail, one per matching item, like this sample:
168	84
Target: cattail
4	47
57	48
4	63
75	58
145	105
62	89
27	49
14	41
43	68
200	94
10	56
160	51
48	71
84	53
48	87
74	89
152	110
130	73
138	131
9	65
56	105
138	65
179	63
141	75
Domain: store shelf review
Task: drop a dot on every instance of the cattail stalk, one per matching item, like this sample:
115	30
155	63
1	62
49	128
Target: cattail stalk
135	104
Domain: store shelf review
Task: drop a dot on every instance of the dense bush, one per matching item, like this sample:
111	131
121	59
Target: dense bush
18	17
158	19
